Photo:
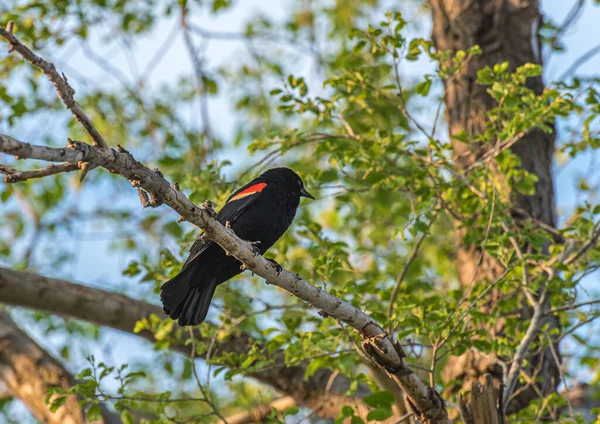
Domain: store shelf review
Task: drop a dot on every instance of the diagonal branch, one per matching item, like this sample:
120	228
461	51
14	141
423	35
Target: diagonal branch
120	312
376	342
63	89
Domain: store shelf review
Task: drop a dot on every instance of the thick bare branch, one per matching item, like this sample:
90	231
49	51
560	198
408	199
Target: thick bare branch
63	89
261	412
27	372
117	311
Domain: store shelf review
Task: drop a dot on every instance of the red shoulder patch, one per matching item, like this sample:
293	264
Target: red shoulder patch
255	188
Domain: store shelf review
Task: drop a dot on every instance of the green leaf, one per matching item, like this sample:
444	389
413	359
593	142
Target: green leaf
220	4
210	85
500	67
94	413
358	47
485	76
57	403
127	417
423	87
380	399
347	411
292	410
380	414
6	193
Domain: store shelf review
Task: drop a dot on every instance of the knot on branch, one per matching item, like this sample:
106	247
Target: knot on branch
8	173
121	149
85	168
89	160
148	201
87	151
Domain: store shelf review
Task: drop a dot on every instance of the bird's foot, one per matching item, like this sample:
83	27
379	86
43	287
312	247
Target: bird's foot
277	267
254	247
209	207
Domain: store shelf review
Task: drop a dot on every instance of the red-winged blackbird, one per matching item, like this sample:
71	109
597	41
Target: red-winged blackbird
261	211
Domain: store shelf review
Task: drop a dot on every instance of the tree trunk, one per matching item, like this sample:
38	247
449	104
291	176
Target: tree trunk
27	372
506	31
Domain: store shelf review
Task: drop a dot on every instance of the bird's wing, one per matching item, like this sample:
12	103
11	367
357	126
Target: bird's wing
235	206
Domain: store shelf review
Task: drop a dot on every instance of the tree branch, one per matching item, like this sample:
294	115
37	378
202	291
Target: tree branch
117	311
28	371
63	89
377	343
258	414
13	176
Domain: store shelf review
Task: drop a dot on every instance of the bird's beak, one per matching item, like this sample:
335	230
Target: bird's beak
304	193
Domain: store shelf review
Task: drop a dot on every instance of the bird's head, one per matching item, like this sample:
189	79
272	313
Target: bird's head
287	180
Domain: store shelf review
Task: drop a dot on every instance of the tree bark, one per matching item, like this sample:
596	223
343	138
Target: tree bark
506	31
27	371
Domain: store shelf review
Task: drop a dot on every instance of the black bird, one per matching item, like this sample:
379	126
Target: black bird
261	211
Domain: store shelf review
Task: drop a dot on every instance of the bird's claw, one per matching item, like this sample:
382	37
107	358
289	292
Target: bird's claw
278	267
254	247
209	207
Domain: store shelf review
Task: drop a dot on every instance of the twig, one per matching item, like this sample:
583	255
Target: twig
404	417
409	261
63	89
561	373
265	36
572	306
471	306
592	242
472	280
199	73
13	176
580	61
517	361
159	54
207	396
577	326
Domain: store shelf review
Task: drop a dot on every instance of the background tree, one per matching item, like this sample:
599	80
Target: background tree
351	95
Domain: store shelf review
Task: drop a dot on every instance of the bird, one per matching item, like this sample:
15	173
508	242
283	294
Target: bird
260	212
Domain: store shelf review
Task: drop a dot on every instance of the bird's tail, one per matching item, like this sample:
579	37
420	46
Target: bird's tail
186	299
